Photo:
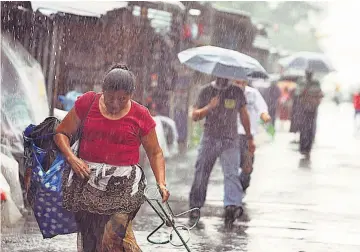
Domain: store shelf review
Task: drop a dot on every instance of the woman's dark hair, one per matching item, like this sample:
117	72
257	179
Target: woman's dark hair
119	77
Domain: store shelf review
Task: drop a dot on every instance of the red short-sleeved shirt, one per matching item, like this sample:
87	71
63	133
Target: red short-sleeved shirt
114	142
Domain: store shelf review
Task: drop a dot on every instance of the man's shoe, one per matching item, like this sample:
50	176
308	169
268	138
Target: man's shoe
194	217
231	214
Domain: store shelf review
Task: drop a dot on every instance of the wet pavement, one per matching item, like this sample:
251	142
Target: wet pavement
291	205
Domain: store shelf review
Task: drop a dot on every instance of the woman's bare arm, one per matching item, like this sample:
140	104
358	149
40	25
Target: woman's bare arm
157	161
69	127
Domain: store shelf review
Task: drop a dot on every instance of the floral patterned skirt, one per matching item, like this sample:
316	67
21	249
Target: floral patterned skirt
105	205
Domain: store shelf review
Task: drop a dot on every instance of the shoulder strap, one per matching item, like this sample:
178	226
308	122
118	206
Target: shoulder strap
87	113
80	130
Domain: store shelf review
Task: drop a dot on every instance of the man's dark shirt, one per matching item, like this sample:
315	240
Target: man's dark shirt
221	122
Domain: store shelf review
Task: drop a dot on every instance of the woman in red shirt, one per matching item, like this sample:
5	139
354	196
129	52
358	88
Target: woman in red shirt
105	187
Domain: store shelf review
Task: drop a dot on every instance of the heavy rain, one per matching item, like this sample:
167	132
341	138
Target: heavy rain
180	126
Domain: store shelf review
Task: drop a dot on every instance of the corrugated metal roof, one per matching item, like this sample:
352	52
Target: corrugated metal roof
91	9
170	6
231	11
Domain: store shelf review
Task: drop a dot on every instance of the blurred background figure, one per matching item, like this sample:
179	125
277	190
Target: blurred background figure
284	106
151	106
257	109
166	131
356	102
288	104
337	95
295	115
272	95
310	98
69	99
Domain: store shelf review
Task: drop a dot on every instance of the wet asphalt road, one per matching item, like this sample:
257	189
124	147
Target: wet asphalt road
292	204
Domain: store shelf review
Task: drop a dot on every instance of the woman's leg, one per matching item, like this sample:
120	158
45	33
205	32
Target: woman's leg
130	243
91	227
118	234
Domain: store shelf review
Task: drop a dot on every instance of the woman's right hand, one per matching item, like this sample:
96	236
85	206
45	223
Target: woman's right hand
79	167
164	192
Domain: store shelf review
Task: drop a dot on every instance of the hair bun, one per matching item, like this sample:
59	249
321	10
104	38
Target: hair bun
119	66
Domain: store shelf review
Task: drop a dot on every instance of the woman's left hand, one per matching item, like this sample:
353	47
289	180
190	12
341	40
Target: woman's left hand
165	194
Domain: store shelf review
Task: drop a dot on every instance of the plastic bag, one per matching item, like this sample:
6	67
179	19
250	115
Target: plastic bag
10	172
10	214
23	93
173	148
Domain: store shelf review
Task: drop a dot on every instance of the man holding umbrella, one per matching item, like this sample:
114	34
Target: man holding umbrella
220	103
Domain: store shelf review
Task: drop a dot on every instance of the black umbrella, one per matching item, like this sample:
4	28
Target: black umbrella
258	75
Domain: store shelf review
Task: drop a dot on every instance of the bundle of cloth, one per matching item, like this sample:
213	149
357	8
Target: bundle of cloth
12	202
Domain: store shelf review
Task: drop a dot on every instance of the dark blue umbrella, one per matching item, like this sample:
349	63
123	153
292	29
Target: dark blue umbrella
258	75
220	62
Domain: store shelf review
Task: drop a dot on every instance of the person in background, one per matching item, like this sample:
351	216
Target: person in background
309	99
337	94
356	103
69	99
272	96
151	106
296	114
257	109
220	103
165	128
284	106
159	129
